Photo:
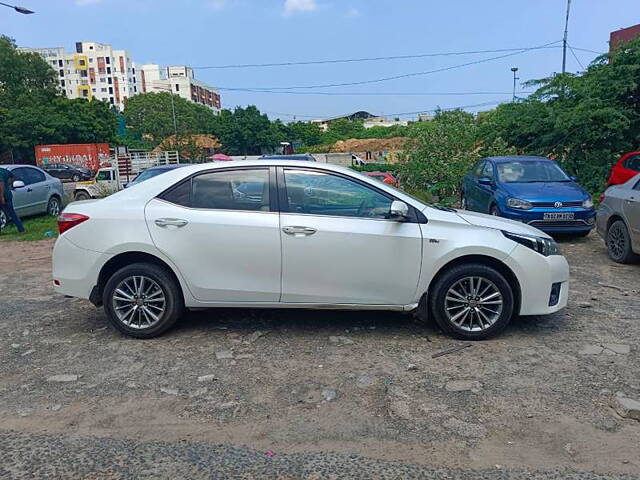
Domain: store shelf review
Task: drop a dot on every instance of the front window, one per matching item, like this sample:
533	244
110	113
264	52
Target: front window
531	171
103	176
319	193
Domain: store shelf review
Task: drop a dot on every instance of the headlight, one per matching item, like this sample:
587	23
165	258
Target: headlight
588	203
544	246
519	204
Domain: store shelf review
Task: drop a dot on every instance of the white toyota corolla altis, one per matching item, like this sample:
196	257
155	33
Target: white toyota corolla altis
292	234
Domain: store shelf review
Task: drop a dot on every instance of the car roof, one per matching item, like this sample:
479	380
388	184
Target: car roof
518	158
15	165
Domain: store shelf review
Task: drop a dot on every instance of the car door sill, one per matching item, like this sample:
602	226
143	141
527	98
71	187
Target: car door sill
311	306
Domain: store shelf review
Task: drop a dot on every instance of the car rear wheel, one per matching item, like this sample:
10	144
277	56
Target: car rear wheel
82	196
619	243
472	302
142	300
53	207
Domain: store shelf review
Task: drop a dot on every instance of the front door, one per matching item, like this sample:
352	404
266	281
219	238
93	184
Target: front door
222	231
32	198
338	245
631	206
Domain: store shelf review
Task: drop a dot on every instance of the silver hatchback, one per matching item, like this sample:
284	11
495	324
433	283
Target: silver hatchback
618	221
34	192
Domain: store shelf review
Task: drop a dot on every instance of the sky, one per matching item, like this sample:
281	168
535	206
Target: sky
215	33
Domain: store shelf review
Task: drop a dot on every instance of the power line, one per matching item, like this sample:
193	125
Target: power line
390	94
406	75
588	50
369	59
576	57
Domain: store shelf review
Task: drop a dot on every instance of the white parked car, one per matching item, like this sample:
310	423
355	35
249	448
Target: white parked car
289	234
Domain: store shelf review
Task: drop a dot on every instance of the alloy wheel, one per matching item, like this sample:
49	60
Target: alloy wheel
617	241
139	302
54	207
3	220
473	304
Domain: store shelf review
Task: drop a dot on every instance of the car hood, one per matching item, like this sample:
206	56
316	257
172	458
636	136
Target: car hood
499	223
546	191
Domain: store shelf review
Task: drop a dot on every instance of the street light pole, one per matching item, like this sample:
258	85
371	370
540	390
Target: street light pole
564	41
514	70
22	10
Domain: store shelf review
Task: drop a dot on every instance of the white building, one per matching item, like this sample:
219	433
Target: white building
95	70
179	80
98	71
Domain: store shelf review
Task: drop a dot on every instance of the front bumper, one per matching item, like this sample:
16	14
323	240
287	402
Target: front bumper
583	219
537	275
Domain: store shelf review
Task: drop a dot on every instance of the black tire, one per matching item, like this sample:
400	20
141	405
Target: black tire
495	211
437	300
54	207
3	219
75	178
619	243
81	196
173	307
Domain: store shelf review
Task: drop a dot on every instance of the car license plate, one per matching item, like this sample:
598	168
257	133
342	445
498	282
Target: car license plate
558	216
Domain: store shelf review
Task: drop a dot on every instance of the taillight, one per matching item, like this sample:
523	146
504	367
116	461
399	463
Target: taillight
601	198
70	220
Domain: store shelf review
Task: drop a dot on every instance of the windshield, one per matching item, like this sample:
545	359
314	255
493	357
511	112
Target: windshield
531	171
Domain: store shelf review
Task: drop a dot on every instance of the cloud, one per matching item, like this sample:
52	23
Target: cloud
297	6
353	12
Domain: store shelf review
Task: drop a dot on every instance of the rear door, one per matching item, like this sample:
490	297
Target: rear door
223	234
338	245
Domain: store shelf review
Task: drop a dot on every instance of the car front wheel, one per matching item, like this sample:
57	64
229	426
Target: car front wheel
3	219
75	178
81	196
619	243
142	300
472	302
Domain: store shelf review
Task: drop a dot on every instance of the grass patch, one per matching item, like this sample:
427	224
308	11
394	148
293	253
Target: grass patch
35	227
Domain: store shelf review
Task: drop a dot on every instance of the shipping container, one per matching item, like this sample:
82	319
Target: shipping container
88	155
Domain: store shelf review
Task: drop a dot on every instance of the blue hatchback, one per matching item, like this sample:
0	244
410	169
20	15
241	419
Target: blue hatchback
532	190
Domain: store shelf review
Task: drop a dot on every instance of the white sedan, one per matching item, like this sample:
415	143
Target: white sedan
287	234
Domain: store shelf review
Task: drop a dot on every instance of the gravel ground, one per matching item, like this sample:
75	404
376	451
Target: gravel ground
299	394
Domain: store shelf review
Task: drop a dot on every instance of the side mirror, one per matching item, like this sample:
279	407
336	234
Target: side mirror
398	210
18	184
485	181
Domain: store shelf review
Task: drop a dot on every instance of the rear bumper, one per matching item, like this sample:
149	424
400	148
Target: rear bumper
75	270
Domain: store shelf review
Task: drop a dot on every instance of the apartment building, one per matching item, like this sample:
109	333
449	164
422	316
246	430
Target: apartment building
179	80
98	71
95	70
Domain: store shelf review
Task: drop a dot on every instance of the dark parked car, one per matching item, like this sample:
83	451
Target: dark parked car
532	190
65	171
153	172
618	221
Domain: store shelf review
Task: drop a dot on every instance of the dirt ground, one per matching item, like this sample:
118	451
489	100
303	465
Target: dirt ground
278	386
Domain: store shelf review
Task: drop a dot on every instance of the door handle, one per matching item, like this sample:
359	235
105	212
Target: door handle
170	222
299	231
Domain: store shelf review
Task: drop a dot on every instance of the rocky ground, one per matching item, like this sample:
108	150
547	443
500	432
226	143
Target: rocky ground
298	394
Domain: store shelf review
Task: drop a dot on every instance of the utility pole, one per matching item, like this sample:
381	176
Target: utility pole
564	41
24	11
514	70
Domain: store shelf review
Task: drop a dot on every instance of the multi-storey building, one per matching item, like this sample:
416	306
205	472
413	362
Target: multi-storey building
98	71
179	80
95	70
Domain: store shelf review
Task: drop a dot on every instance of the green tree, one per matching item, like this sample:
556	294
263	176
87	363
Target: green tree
33	112
151	115
246	131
